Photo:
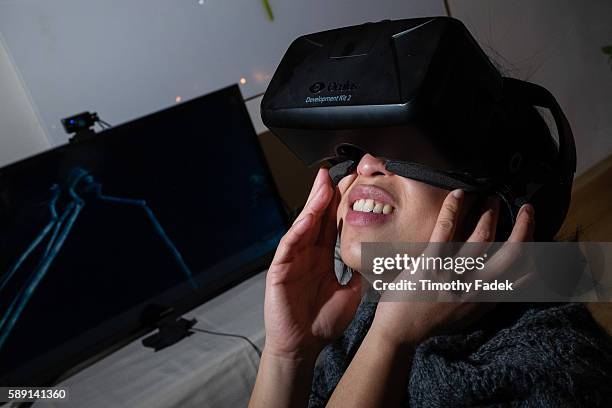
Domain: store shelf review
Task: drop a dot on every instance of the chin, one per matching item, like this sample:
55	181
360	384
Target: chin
351	238
350	251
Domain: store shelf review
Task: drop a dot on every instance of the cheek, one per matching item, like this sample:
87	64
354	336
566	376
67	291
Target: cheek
350	251
415	226
418	215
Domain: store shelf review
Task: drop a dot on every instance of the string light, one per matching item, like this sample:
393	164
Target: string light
178	99
242	81
260	76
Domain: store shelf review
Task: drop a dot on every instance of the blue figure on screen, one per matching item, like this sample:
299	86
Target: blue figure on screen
57	230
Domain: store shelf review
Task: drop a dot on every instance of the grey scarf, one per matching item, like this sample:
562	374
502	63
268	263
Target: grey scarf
522	355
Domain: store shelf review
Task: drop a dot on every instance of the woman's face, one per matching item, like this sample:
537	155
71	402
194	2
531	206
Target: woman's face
379	206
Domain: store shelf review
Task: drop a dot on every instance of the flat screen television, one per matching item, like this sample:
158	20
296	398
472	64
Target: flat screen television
152	217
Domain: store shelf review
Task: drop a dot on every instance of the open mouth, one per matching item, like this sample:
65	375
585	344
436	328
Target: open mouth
369	205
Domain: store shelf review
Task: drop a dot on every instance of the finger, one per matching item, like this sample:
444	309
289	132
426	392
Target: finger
305	229
322	208
446	223
346	182
503	262
329	229
447	218
291	242
484	232
318	181
487	224
524	225
319	199
444	228
525	280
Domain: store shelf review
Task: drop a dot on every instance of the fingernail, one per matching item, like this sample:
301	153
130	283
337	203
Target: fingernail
457	193
527	209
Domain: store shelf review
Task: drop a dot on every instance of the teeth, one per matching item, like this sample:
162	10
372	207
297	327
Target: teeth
370	205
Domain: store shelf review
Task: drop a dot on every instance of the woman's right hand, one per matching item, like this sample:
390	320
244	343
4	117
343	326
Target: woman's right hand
305	306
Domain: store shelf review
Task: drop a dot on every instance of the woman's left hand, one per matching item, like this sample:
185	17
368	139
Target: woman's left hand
407	323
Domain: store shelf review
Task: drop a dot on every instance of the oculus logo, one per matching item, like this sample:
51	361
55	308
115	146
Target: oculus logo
317	87
332	86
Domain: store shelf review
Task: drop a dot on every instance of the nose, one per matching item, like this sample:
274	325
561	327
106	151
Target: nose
372	166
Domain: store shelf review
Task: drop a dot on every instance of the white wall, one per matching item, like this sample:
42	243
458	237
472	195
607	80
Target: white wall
21	134
126	59
556	43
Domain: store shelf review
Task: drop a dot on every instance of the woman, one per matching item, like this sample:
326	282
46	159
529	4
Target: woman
327	345
399	353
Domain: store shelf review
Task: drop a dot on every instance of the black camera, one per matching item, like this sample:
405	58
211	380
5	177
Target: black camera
81	122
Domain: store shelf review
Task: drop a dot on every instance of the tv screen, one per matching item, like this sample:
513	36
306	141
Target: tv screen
149	217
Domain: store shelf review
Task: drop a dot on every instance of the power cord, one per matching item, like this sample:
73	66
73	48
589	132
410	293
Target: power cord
103	124
172	330
239	336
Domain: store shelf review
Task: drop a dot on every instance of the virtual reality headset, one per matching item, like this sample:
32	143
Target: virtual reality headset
422	94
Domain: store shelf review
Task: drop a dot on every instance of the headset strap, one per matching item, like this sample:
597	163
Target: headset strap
419	172
539	96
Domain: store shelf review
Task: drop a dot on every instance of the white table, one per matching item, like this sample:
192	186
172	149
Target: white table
201	370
